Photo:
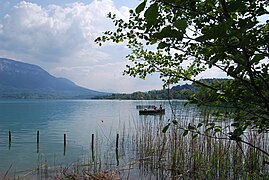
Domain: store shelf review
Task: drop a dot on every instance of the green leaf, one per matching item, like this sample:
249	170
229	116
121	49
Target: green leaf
185	132
175	122
199	125
217	129
236	124
211	124
191	127
230	70
140	7
167	32
162	45
226	24
201	38
214	59
151	15
257	58
152	12
208	129
181	24
238	132
166	128
194	136
215	31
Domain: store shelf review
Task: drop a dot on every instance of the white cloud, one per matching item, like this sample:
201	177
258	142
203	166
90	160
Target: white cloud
213	72
108	77
54	32
61	40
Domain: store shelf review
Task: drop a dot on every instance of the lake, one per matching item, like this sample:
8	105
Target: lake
78	119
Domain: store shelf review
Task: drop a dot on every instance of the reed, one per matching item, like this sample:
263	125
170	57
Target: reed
170	155
146	152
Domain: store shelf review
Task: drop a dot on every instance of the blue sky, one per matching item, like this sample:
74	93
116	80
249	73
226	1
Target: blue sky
58	35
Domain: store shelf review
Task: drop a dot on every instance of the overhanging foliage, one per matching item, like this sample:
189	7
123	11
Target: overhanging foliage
180	39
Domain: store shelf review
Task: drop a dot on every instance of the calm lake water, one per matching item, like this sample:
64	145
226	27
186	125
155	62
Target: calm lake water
54	118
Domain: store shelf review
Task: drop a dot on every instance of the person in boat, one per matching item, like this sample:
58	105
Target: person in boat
155	108
161	107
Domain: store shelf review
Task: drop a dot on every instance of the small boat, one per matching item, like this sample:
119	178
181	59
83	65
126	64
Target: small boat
151	111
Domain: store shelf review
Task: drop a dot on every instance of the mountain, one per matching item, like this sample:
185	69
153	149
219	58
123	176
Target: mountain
22	80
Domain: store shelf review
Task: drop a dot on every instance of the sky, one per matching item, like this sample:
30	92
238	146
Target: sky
59	35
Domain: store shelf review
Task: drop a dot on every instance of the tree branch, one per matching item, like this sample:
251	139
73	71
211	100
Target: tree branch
224	8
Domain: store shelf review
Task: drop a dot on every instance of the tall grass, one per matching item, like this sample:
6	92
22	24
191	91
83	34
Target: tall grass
145	152
211	156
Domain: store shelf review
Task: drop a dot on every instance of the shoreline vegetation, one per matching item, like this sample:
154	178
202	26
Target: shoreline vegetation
146	152
179	92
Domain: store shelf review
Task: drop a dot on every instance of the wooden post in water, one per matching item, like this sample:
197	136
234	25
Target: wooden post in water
64	139
64	144
93	148
37	137
37	141
92	142
9	139
117	141
9	136
117	150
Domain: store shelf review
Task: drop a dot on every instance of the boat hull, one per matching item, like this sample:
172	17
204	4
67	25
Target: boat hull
151	111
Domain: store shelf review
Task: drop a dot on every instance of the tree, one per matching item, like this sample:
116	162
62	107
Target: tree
180	39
